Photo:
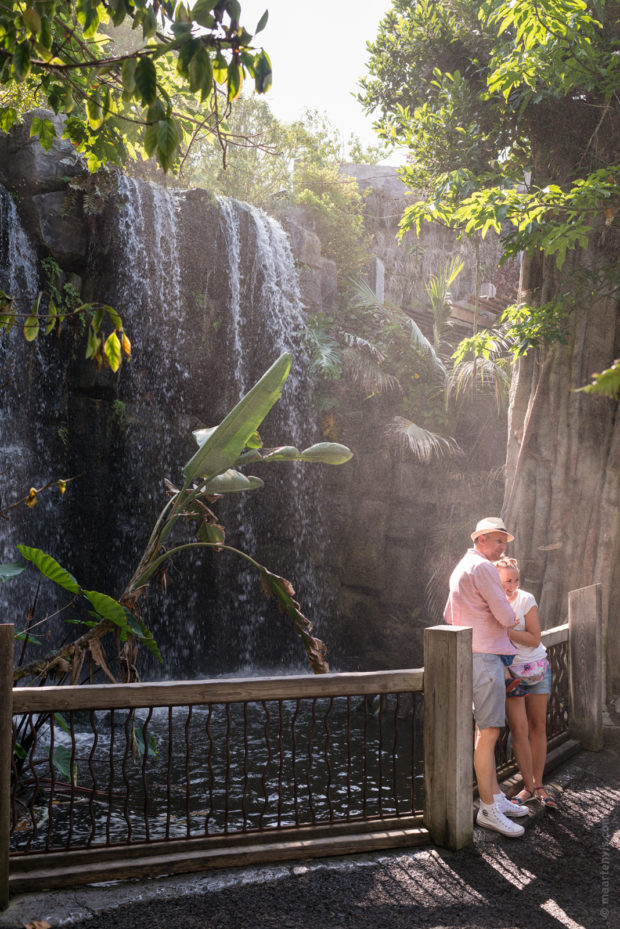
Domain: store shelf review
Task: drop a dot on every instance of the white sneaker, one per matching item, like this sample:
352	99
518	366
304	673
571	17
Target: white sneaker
507	807
493	818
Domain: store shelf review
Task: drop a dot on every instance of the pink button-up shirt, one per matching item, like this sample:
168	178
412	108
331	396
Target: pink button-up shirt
477	600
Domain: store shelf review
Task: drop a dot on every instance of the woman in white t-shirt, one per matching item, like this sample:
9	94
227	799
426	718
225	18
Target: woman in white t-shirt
526	705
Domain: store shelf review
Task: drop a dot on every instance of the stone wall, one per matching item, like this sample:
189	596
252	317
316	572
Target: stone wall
411	263
385	506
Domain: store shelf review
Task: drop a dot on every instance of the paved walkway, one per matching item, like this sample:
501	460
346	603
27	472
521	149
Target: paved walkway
563	874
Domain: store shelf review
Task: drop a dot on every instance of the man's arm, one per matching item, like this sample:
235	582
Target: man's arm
490	587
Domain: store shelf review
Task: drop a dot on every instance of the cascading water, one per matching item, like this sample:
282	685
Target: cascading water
29	404
269	284
18	279
209	293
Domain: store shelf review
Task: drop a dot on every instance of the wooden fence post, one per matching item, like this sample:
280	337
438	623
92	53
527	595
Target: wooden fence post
448	735
6	745
585	666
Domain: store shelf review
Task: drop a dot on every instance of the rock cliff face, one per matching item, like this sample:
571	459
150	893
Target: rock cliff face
387	509
211	292
209	295
407	266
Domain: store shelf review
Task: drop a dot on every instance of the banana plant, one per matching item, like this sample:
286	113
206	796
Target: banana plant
212	471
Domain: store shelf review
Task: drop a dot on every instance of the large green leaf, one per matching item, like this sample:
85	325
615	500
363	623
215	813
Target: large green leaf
21	61
27	637
128	74
112	351
201	12
199	72
44	129
262	73
62	762
282	590
233	482
168	138
282	453
8	116
226	442
606	383
145	747
107	607
332	453
50	568
145	77
262	22
62	722
7	571
140	631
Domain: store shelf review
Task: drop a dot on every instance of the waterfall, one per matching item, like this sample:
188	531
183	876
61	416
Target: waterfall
20	365
18	279
18	263
208	291
268	284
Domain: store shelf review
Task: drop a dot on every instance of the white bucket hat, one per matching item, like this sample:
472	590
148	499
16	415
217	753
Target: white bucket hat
491	524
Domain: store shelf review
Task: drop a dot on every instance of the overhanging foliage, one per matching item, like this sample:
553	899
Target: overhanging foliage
511	117
126	93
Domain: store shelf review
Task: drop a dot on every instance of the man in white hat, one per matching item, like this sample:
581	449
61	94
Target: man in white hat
477	600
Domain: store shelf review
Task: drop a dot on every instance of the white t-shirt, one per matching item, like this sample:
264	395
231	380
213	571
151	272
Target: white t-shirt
522	605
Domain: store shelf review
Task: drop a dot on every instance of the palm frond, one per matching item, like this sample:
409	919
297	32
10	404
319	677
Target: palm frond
420	442
327	359
438	293
361	294
479	373
326	352
424	346
368	374
364	345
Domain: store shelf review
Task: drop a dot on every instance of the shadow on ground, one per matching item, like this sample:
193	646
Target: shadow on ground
563	874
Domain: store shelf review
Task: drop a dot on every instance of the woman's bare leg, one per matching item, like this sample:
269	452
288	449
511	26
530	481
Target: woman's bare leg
518	722
536	711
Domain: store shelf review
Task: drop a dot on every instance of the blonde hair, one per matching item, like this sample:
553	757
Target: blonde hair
505	562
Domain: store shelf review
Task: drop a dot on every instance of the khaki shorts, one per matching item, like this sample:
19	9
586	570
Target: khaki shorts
489	691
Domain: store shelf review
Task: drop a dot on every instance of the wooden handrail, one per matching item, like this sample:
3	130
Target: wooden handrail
231	690
554	636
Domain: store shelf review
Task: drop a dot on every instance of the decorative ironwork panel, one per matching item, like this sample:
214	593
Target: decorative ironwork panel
86	779
557	714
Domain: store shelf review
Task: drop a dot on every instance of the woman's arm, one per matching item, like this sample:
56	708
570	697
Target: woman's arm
529	636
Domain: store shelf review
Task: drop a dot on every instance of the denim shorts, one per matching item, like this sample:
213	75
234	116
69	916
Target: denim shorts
489	690
542	687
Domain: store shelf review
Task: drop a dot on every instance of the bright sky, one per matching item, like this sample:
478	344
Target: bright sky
318	53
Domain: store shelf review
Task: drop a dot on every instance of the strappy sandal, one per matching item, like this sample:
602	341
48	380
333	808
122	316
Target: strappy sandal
549	802
521	801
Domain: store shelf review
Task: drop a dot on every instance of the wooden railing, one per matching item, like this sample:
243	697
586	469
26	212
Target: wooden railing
106	782
111	781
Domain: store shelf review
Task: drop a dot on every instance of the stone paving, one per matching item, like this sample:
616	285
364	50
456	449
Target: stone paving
563	874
